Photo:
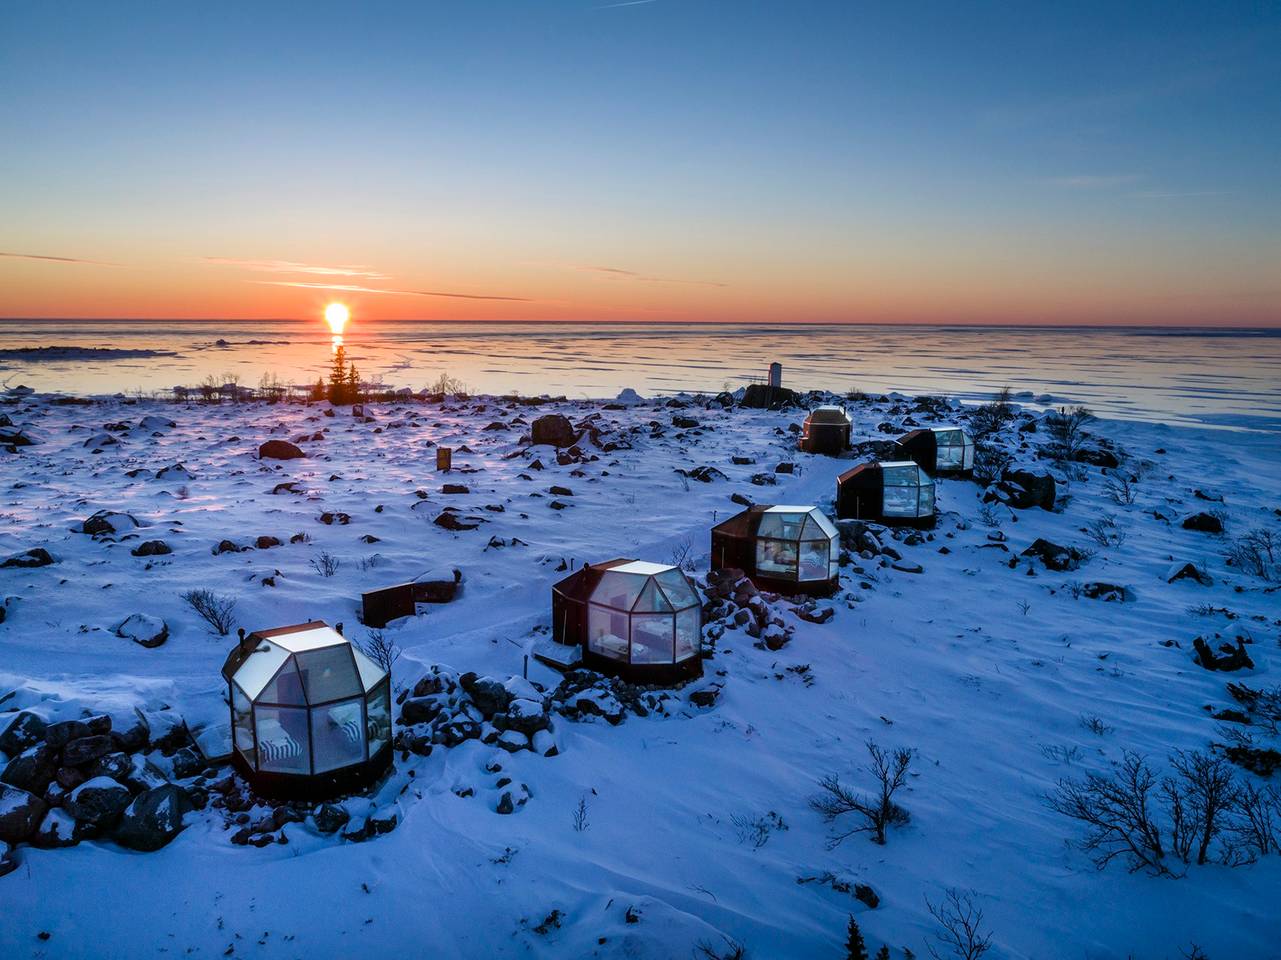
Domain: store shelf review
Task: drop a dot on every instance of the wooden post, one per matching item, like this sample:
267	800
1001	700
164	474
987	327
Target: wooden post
444	459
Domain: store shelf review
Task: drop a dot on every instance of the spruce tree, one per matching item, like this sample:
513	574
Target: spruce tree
883	953
353	384
338	378
855	948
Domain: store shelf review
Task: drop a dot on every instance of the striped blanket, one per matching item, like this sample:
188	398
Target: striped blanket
275	745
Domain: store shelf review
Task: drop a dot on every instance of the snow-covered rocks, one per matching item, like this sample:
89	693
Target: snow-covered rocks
1188	571
98	803
143	629
1024	489
1203	523
23	731
35	557
1054	556
554	429
108	522
152	548
153	818
20	813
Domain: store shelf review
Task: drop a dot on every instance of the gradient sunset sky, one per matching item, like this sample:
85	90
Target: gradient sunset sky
645	160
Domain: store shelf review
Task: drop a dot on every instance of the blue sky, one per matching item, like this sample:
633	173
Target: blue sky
1091	162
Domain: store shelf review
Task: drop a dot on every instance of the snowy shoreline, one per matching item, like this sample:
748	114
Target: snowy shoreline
984	669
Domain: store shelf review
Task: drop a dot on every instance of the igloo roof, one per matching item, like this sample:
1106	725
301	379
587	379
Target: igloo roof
786	522
904	473
828	414
302	665
639	586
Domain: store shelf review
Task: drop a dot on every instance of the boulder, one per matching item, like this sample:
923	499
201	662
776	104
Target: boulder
279	450
32	770
107	522
85	750
554	429
153	818
8	859
1024	489
35	557
1203	523
20	813
330	818
1097	590
58	735
23	731
1055	557
144	630
419	710
98	803
451	521
151	548
1188	571
57	829
488	694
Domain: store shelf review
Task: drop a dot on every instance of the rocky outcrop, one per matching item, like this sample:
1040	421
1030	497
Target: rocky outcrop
1203	523
144	630
1023	489
554	429
153	818
35	557
1054	556
279	450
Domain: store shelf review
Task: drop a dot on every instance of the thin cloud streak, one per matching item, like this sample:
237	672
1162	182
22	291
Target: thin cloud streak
45	259
621	274
360	288
623	3
1089	181
291	266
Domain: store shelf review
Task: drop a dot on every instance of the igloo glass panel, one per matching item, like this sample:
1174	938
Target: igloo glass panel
688	625
652	638
967	459
926	503
949	456
338	735
677	588
652	600
619	590
378	717
242	722
607	632
776	557
329	673
824	524
282	739
900	501
814	559
284	687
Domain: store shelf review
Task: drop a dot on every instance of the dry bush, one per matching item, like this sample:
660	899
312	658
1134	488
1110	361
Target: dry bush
1119	813
1067	431
378	648
960	921
1257	553
218	611
873	814
1105	531
990	462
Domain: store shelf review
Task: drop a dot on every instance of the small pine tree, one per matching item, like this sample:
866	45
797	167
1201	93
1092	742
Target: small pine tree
883	953
318	391
338	378
855	948
353	384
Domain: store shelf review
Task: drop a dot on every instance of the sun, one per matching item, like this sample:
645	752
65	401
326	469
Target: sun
337	315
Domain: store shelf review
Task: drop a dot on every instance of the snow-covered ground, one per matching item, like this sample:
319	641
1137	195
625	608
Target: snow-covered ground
985	670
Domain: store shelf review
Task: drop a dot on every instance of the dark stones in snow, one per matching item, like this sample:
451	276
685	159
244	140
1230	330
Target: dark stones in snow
1054	556
289	486
279	450
151	548
452	489
1023	490
685	423
337	516
450	520
153	818
20	813
1097	590
35	557
106	522
1203	523
23	731
98	803
1228	658
1188	571
144	630
703	474
15	438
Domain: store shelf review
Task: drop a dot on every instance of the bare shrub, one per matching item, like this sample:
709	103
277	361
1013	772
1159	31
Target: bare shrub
378	648
1257	553
757	830
681	554
1122	488
990	417
1119	813
960	919
990	462
579	818
874	814
1200	798
1105	531
1095	724
326	564
1254	826
447	385
218	611
1067	431
733	950
990	514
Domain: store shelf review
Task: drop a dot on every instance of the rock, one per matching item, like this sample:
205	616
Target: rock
279	450
703	474
1204	494
488	694
1097	456
1105	591
118	766
906	566
684	423
1023	489
98	803
154	818
330	818
20	813
419	710
289	486
505	804
144	630
35	557
524	716
151	548
706	697
1054	556
866	895
107	521
454	489
15	438
32	770
560	491
451	521
23	731
225	546
554	429
142	775
1233	658
512	741
153	423
337	516
59	734
57	829
266	543
1203	523
814	614
1188	571
85	750
187	763
544	744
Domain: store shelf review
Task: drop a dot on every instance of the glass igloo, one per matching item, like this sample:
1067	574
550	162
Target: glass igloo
787	549
639	620
310	714
896	492
826	430
940	450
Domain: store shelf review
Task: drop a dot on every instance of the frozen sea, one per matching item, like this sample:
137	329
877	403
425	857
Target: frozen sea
1208	376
